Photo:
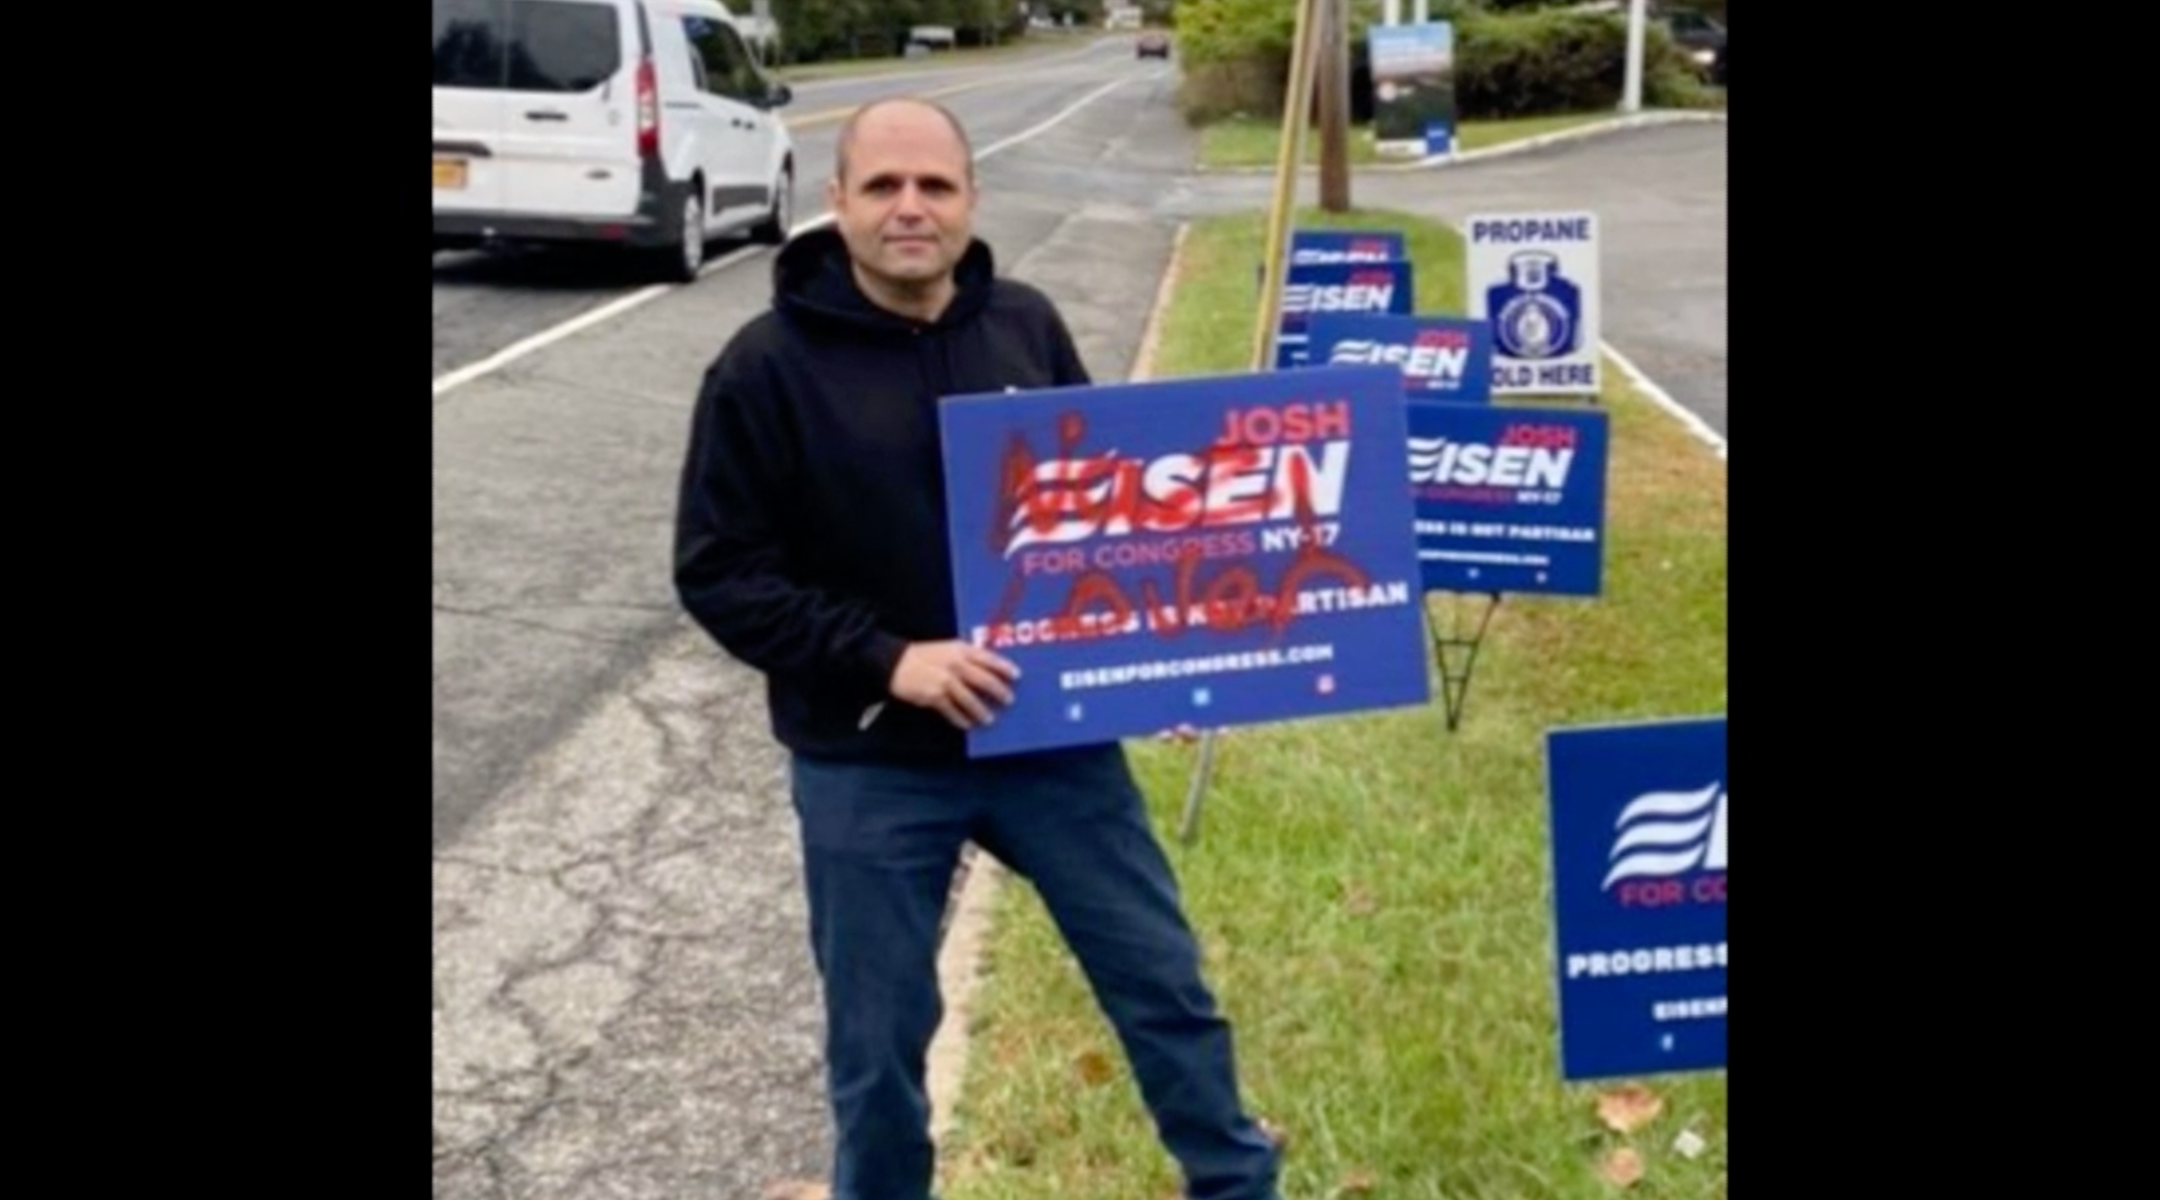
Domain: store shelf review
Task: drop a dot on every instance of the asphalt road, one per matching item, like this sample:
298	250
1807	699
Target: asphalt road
484	302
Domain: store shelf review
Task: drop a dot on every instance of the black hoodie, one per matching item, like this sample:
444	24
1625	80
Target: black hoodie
810	537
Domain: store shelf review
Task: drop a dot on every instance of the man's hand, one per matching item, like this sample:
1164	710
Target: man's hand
958	680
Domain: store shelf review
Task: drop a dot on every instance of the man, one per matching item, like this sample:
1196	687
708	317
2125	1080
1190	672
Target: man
811	544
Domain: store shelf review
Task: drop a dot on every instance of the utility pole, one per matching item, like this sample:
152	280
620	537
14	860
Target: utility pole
1334	89
1631	97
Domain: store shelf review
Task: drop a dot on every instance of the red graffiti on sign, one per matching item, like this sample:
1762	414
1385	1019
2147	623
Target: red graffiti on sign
1270	463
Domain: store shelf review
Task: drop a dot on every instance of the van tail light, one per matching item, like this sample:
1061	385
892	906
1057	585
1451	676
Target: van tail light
648	111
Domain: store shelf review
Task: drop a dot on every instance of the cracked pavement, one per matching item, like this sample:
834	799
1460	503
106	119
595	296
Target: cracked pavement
620	1009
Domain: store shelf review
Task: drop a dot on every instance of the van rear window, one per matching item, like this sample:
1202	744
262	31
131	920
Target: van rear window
526	45
469	50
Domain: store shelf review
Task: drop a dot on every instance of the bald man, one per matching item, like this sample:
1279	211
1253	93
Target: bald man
811	545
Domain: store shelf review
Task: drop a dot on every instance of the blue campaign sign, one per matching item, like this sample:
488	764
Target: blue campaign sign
1509	499
1315	246
1346	287
1210	551
1638	860
1442	358
1413	79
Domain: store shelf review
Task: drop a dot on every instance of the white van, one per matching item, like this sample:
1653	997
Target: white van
641	123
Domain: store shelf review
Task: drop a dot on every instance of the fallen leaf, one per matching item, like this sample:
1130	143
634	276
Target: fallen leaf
1628	1108
1358	899
1689	1144
1357	1183
798	1189
1623	1167
1095	1069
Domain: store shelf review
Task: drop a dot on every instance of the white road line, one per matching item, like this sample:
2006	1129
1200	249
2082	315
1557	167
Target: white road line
517	350
1695	424
617	307
1056	119
1577	133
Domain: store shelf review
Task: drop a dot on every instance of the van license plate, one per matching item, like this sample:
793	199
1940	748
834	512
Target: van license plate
449	173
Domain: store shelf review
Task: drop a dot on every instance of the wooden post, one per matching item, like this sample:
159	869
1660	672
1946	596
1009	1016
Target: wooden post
1334	97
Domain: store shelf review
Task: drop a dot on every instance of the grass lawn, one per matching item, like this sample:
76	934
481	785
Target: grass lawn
1250	142
1372	891
965	57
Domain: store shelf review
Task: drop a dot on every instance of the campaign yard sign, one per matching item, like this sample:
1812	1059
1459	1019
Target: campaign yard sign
1314	246
1534	276
1210	551
1638	861
1508	498
1413	87
1442	358
1345	287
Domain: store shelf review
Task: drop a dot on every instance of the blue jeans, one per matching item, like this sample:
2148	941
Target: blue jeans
880	845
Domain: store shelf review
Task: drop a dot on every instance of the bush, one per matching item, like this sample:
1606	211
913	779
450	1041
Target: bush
1554	61
1251	86
1236	56
1218	31
1236	53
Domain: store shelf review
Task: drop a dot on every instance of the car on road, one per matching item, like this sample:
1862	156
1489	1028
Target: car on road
1701	38
644	125
1153	43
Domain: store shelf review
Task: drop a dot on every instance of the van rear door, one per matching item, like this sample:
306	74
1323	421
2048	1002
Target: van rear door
471	58
569	137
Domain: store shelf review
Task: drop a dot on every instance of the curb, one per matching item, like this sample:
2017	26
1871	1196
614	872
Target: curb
960	955
959	960
1519	146
1576	134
